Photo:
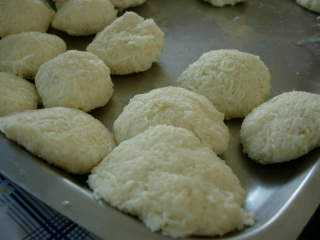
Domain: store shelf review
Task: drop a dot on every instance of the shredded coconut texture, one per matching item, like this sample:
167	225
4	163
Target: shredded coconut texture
235	82
284	128
67	138
173	106
130	44
173	183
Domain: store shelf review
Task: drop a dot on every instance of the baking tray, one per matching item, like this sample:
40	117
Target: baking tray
282	196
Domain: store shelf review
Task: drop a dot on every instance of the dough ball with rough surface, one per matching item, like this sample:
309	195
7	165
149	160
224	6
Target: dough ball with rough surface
74	79
222	3
16	94
83	17
129	45
235	82
123	4
313	5
24	16
23	53
173	106
282	129
67	138
173	183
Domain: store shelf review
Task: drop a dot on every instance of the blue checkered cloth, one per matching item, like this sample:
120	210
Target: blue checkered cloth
24	217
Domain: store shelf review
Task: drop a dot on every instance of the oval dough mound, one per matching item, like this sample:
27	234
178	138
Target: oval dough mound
282	129
74	79
23	53
235	82
123	4
83	17
130	44
172	182
222	3
67	138
16	94
23	16
313	5
173	106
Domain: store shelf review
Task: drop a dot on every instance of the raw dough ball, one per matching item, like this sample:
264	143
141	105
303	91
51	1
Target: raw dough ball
172	182
313	5
16	94
23	16
74	79
65	137
284	128
173	106
222	3
122	4
83	17
130	44
23	53
235	82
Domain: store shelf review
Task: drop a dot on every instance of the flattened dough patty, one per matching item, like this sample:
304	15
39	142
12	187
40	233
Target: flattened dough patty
173	183
74	79
23	53
313	5
65	137
23	16
284	128
130	44
235	82
16	94
173	106
83	17
123	4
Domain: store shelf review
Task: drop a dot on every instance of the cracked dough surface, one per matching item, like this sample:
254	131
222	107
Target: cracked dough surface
173	183
67	138
23	53
16	94
74	79
235	82
173	106
284	128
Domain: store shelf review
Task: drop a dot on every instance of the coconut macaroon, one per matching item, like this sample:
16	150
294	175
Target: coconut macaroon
16	94
83	17
173	183
235	82
282	129
67	138
222	3
23	16
23	53
173	106
130	44
313	5
74	79
123	4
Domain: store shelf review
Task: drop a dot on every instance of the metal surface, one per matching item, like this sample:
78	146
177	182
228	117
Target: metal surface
282	196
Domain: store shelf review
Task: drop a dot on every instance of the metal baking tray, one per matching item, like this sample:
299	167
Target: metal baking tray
282	196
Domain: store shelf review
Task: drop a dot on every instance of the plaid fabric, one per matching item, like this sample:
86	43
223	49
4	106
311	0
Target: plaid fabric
26	218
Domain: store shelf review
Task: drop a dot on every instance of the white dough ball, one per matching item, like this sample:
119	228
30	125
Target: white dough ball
83	17
16	94
23	16
123	4
74	79
235	82
173	106
67	138
222	3
173	183
313	5
23	53
284	128
130	44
